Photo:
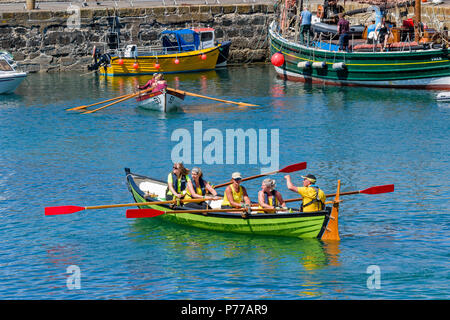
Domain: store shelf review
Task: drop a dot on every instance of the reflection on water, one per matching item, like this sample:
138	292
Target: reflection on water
270	266
192	242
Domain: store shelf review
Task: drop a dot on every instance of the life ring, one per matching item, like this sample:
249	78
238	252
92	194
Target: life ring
320	11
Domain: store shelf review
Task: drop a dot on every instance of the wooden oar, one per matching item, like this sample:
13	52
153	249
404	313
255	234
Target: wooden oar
132	95
150	213
101	102
50	211
291	168
211	98
372	190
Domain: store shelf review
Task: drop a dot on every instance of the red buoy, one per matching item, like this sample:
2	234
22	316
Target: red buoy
157	66
135	66
120	61
176	61
203	56
277	59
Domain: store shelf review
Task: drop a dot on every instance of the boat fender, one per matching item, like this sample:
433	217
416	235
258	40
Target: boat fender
339	66
319	65
304	64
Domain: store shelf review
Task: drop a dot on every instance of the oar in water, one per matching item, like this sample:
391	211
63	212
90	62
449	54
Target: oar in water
132	95
291	168
211	98
101	102
372	190
51	211
150	213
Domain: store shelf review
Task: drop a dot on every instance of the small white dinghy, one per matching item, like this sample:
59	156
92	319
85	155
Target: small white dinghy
164	101
443	96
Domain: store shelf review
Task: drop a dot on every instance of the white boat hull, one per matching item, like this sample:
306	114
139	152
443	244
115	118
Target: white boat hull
443	96
10	80
163	101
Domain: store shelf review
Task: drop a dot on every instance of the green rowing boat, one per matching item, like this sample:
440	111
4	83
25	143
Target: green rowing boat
321	224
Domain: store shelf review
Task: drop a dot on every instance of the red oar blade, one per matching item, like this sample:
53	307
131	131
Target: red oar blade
143	213
51	211
379	189
294	167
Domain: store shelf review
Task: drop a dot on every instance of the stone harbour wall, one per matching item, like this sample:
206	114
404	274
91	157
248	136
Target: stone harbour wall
47	41
59	40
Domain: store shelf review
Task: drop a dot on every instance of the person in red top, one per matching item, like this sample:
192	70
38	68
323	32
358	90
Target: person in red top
150	83
343	30
160	83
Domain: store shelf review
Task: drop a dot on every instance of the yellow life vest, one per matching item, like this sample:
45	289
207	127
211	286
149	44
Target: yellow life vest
237	196
313	199
270	200
179	184
198	189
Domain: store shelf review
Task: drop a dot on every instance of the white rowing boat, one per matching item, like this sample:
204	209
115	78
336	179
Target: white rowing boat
165	100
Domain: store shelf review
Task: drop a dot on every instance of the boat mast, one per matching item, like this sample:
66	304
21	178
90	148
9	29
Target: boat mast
417	20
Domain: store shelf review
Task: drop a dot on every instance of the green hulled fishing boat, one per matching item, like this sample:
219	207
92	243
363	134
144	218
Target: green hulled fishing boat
289	224
419	64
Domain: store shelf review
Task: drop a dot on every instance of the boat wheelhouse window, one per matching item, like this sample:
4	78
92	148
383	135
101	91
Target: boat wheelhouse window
206	36
188	40
169	41
4	66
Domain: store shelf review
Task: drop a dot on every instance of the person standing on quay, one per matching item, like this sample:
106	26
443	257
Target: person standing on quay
305	24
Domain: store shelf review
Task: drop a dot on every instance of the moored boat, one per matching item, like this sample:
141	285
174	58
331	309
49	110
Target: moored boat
186	50
443	96
10	78
289	224
165	100
404	64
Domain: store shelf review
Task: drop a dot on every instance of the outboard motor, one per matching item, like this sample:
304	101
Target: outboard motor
100	60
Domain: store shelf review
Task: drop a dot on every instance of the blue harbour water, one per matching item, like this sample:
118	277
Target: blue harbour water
364	137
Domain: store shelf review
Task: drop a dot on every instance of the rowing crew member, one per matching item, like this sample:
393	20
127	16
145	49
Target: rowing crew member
313	197
156	83
268	197
197	188
160	83
150	83
236	195
177	181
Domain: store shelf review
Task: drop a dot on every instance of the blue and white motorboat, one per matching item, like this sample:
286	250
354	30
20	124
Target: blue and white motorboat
10	78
